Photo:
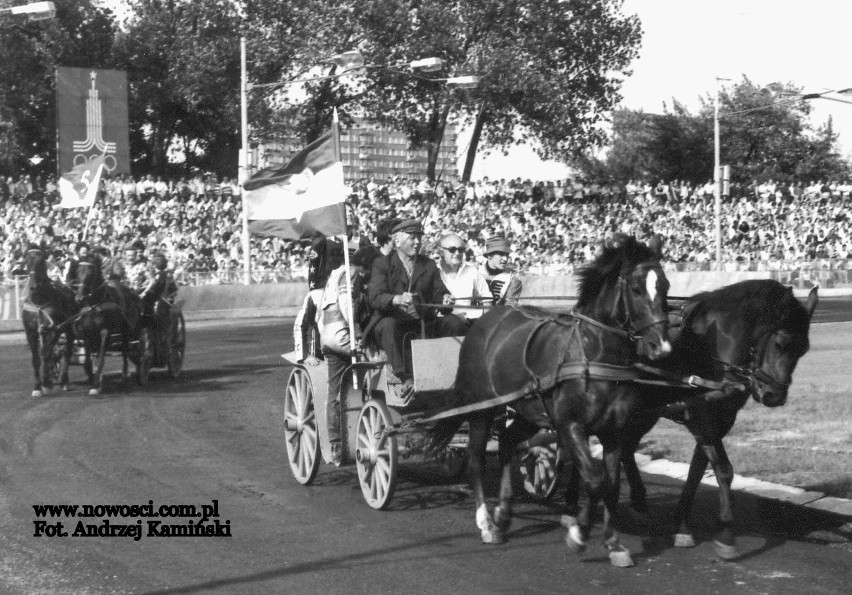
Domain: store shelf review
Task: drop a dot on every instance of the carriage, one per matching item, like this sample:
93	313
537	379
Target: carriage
161	343
380	429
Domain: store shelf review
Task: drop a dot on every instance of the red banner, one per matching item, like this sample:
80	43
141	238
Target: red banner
91	108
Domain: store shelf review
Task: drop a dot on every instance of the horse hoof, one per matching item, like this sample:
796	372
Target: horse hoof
684	540
46	390
65	387
94	392
567	521
492	536
502	520
724	551
37	393
620	557
574	540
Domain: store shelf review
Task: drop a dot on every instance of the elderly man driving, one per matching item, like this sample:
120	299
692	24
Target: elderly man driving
399	282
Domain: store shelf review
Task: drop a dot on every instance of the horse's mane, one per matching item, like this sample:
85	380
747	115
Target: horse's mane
623	252
761	303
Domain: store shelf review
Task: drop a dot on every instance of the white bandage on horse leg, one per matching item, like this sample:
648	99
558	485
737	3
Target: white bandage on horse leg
483	519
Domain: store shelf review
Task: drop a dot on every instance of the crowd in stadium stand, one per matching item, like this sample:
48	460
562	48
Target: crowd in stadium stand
553	226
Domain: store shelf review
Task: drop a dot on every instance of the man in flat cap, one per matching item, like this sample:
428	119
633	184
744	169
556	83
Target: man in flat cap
399	282
505	285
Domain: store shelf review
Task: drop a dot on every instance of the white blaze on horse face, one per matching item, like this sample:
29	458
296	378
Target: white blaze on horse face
651	283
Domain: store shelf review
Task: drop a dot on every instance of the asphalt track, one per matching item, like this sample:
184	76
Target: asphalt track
216	434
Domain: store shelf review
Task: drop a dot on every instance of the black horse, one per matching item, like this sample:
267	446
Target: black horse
110	318
565	372
47	311
746	339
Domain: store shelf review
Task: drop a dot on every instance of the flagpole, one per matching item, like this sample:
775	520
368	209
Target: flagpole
335	135
244	161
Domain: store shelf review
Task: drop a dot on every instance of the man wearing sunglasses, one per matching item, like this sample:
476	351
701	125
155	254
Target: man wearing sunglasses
400	282
462	278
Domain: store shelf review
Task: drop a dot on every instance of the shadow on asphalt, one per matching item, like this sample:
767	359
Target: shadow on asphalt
160	384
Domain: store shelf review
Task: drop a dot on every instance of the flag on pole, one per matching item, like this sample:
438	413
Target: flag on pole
79	187
304	197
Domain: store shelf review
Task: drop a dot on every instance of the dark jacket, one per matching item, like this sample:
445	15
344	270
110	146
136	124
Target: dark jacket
389	278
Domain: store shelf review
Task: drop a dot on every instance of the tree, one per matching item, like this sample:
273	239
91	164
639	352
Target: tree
182	61
80	35
764	131
549	69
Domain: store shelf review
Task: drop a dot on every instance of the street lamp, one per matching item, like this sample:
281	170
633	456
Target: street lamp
36	11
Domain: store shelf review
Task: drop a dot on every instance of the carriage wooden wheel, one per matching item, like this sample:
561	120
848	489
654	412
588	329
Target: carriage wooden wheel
539	471
300	427
176	339
376	454
143	366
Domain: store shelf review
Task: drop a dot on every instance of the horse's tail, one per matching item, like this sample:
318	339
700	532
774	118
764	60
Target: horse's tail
438	437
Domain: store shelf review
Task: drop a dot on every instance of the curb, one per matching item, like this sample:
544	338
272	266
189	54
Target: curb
755	487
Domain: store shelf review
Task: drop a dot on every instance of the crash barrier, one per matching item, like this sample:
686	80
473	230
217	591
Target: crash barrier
210	302
285	299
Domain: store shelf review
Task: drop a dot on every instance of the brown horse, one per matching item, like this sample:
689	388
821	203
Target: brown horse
110	318
567	373
47	312
748	338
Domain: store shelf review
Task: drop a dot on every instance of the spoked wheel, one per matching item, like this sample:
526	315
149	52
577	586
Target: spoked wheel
539	471
300	427
376	454
143	352
177	345
54	362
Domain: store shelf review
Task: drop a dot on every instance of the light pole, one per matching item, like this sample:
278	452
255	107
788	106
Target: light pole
717	189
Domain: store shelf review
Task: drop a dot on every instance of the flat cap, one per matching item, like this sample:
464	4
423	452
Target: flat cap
497	244
408	226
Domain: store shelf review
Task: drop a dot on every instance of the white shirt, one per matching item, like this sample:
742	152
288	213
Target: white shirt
467	282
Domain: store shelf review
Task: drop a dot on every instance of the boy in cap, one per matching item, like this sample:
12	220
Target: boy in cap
400	281
505	285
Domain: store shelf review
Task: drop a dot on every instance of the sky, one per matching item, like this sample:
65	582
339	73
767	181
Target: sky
686	44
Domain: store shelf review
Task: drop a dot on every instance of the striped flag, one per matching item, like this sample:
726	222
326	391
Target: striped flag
79	187
302	198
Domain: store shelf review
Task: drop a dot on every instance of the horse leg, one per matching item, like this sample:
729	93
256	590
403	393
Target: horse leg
480	430
683	537
619	555
510	436
636	428
46	342
34	340
724	542
125	347
99	365
65	361
573	439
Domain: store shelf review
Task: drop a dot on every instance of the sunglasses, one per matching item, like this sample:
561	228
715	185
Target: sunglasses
452	249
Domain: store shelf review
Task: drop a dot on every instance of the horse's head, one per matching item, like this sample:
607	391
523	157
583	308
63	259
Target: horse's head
626	286
779	348
89	277
35	262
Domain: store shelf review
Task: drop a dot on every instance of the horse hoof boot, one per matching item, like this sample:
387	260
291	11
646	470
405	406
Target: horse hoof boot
37	393
94	392
620	557
492	536
684	540
724	551
574	540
